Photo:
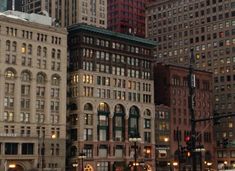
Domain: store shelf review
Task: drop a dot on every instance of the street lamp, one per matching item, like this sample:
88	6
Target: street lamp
225	164
135	138
82	156
175	164
209	164
75	165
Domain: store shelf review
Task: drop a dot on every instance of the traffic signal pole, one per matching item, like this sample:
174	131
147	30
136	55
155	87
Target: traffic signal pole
192	86
192	102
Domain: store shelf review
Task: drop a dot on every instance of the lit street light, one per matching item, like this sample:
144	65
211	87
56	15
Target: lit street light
175	165
75	165
135	138
82	156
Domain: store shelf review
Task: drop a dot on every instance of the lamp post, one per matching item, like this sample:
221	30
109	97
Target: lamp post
42	152
135	138
225	164
175	164
82	156
209	164
75	165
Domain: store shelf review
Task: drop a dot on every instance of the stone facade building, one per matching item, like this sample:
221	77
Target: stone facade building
33	66
110	99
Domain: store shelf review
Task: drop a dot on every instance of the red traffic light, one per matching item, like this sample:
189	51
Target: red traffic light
187	138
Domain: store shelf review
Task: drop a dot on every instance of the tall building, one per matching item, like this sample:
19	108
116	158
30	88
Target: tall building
32	90
110	99
207	26
14	5
171	89
8	5
65	13
3	5
127	16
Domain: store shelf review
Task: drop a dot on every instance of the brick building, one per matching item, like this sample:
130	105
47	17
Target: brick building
207	26
171	89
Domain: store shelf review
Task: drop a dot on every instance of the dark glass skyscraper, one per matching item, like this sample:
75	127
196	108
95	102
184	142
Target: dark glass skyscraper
8	5
3	5
17	5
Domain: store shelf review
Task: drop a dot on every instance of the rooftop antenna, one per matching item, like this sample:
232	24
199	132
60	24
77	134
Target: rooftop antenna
13	5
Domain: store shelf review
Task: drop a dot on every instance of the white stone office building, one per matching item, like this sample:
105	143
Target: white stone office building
32	94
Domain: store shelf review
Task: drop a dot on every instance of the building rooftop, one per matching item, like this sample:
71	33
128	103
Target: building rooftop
36	18
77	27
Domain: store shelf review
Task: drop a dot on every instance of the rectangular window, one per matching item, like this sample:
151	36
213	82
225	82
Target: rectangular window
88	134
103	151
147	123
88	119
102	134
27	148
11	148
147	137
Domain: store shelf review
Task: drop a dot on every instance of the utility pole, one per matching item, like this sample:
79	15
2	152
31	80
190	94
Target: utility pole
179	150
192	86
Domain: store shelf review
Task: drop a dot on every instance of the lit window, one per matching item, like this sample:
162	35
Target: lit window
23	48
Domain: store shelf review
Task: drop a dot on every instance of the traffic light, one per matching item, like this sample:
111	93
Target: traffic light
225	142
188	142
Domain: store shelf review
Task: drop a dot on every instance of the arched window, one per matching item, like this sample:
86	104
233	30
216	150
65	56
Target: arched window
134	119
41	78
58	54
118	123
44	52
10	74
55	80
8	45
147	112
39	51
14	46
88	116
25	76
119	109
134	111
23	48
53	53
30	48
88	107
103	107
103	122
